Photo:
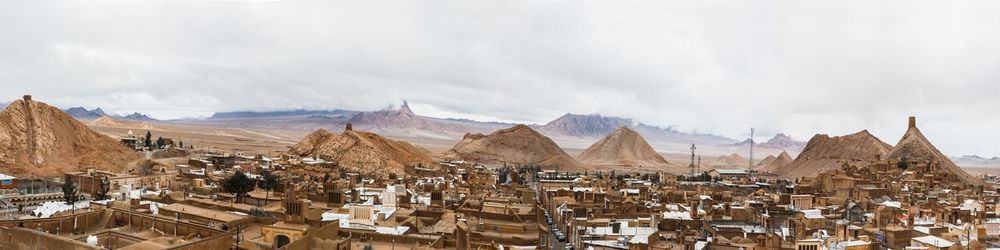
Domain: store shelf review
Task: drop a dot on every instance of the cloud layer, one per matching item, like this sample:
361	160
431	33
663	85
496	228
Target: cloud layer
798	67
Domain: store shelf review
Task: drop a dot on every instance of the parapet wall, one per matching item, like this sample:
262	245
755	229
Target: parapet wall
22	238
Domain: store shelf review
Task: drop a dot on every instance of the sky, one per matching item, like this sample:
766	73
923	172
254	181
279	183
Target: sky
795	67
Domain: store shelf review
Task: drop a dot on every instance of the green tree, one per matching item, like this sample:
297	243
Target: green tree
149	139
903	163
102	190
159	142
239	185
70	194
268	182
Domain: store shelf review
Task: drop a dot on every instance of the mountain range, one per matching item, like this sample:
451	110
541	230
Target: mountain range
570	131
779	141
88	114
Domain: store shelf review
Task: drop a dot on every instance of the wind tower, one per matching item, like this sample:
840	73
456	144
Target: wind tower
693	166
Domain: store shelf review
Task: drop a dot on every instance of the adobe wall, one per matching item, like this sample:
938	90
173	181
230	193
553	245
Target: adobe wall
22	238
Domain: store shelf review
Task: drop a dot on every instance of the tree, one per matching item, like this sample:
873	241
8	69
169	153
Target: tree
903	163
149	139
239	185
70	195
159	142
180	144
269	181
102	190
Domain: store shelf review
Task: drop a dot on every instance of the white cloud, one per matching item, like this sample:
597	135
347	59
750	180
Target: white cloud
716	66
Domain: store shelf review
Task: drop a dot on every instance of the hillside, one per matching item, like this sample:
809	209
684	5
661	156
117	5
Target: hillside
110	122
731	161
915	147
823	152
515	145
363	152
623	146
39	139
774	162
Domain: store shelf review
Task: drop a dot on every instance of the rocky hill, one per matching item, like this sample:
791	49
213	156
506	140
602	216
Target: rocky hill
823	152
915	147
774	162
623	146
363	152
110	122
731	161
515	145
39	139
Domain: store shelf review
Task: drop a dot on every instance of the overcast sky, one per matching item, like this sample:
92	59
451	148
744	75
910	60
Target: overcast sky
799	67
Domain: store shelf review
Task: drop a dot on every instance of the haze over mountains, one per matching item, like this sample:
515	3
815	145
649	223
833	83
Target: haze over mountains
571	131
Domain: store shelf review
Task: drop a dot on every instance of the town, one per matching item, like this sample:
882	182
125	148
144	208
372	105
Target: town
909	198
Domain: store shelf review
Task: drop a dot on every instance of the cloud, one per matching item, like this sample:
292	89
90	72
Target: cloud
713	66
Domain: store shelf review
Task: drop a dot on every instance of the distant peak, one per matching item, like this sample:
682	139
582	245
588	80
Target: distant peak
405	109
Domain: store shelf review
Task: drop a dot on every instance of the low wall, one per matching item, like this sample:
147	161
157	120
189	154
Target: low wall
22	238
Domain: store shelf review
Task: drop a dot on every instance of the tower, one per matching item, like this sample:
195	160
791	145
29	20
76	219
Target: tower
692	159
751	153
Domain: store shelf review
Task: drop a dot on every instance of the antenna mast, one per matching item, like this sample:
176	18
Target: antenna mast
692	158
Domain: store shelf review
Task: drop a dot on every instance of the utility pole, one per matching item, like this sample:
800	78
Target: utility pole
751	153
692	158
699	162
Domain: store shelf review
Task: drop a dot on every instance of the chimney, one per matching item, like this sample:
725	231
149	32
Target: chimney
913	122
27	97
349	128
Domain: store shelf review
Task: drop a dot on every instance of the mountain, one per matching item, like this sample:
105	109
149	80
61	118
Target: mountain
783	141
583	125
623	146
83	113
519	144
731	160
364	152
774	162
569	131
976	161
287	113
111	122
136	116
779	141
39	139
823	152
915	147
